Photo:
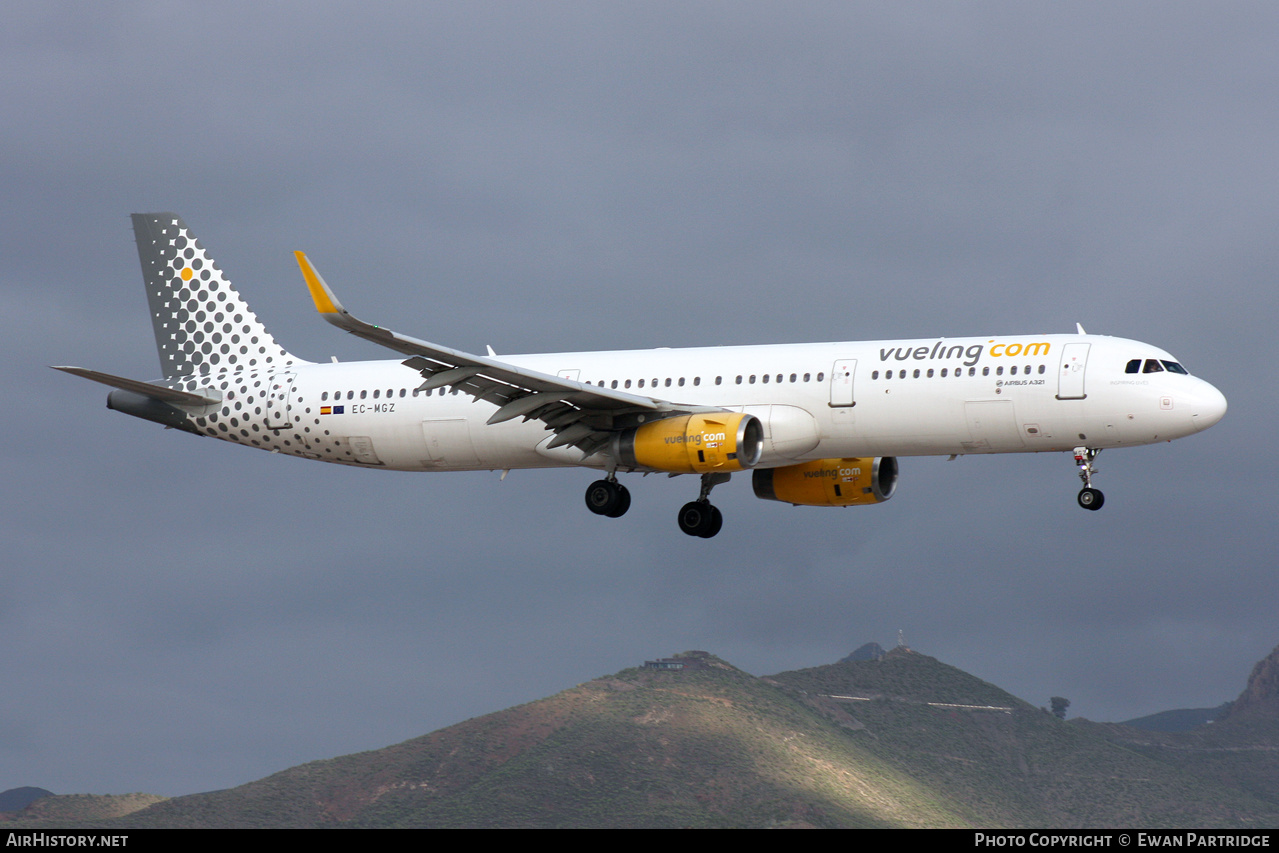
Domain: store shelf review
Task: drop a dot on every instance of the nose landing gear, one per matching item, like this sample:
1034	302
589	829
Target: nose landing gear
1089	498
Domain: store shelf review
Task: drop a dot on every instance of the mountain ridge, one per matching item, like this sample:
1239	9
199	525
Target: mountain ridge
902	741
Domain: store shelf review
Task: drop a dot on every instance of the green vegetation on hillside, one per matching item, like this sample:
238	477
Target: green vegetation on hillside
904	741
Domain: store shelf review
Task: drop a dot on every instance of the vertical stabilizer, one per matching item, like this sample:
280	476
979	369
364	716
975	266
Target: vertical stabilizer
202	325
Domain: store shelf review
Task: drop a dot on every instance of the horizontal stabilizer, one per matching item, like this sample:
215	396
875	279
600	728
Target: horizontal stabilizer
172	396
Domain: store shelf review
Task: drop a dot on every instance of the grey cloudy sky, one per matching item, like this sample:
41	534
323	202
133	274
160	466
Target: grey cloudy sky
180	615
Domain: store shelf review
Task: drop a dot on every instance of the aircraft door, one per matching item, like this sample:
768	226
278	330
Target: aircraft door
277	401
1070	374
841	383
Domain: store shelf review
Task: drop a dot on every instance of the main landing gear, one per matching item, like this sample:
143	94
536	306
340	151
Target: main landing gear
1089	498
699	517
608	498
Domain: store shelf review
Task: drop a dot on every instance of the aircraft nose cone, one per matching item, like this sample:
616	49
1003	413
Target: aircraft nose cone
1210	407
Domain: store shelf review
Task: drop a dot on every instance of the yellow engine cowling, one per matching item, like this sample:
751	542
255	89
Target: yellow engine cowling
829	482
693	444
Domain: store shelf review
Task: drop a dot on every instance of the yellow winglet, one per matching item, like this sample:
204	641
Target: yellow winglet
325	301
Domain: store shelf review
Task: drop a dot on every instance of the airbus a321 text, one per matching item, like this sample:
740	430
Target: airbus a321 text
814	424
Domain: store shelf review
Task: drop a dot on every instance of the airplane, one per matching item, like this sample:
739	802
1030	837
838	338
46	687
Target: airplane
815	424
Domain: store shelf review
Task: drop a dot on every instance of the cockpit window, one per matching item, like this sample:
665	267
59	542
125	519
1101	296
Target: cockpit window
1134	366
1153	366
1174	367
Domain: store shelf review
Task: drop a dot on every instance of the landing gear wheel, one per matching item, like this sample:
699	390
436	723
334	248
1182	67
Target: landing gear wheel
717	521
699	518
623	502
1090	498
608	498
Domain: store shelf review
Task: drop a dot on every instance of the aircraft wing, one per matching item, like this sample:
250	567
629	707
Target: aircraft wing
580	414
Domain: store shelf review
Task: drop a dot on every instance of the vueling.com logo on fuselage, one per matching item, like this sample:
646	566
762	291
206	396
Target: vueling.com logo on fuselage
972	352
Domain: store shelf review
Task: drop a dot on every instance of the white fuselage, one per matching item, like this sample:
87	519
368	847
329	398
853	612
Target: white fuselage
819	423
883	398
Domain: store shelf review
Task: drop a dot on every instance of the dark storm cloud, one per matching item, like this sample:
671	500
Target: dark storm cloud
183	615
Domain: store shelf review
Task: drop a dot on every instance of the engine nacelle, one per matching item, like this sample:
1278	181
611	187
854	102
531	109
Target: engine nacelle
693	444
829	482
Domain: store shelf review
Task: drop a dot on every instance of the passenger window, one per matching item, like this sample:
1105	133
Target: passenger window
1012	371
821	376
765	378
364	395
697	380
985	371
806	377
324	396
641	383
377	392
874	374
752	379
793	377
930	373
1041	368
719	380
